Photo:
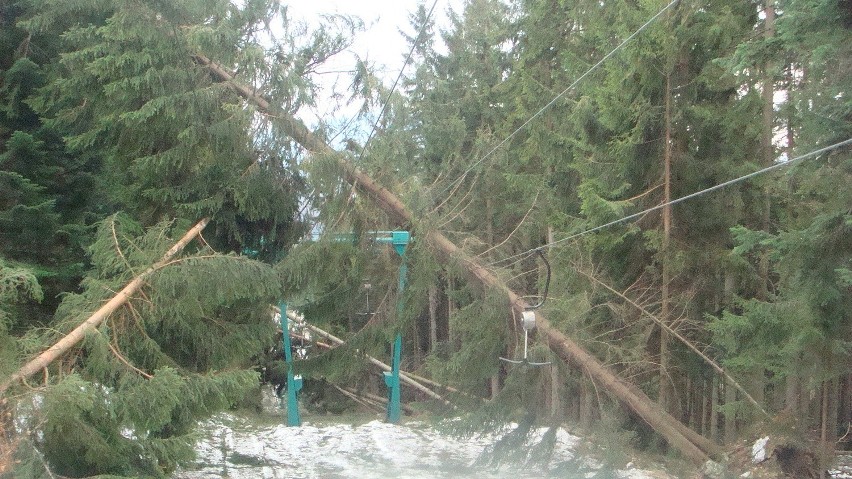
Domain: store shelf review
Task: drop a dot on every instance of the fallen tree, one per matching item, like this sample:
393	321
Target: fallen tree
92	322
692	445
403	376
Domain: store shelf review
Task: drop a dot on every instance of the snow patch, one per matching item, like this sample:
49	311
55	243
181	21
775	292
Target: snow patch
758	450
235	449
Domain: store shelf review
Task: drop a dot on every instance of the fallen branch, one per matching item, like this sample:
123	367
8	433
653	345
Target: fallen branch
362	401
689	344
402	376
405	377
77	334
381	401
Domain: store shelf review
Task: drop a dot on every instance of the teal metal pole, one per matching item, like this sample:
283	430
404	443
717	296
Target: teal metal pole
400	240
294	383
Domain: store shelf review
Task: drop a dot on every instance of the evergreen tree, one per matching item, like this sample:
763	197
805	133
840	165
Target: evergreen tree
114	97
799	331
46	194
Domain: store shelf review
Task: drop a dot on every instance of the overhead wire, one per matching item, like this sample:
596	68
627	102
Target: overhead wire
389	95
562	93
675	201
398	78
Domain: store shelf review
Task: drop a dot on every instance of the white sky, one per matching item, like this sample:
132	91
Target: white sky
381	42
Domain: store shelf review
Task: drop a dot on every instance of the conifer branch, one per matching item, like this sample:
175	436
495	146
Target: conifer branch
77	334
125	361
118	246
689	344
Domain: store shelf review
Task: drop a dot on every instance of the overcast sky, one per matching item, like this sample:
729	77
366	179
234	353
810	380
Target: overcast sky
381	43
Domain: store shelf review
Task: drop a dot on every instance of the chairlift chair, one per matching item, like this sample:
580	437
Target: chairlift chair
528	322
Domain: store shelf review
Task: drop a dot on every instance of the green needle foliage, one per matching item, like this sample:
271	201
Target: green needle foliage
103	108
179	351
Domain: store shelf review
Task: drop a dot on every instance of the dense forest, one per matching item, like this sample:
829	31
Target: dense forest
578	130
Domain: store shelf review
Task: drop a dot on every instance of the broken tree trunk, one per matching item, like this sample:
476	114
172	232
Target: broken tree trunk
77	334
405	377
692	445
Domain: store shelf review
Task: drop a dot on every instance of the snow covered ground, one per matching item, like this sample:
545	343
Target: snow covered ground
236	448
843	468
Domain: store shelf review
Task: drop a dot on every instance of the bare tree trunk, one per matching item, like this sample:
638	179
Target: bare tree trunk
451	309
768	97
706	408
792	394
714	409
830	397
688	442
489	237
586	404
845	403
433	317
823	433
730	416
664	374
92	322
555	381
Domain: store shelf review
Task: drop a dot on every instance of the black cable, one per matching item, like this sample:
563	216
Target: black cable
678	200
399	77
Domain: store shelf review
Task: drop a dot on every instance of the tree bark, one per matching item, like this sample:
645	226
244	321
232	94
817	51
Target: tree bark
768	97
77	334
555	380
714	408
730	416
433	317
664	373
691	444
489	237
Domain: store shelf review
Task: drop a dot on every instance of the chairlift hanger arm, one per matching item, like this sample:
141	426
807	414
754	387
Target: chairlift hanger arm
546	284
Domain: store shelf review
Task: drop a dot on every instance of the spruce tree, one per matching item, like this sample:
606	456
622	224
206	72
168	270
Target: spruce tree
117	94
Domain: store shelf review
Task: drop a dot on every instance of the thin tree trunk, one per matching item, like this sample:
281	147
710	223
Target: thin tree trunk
824	412
586	404
792	393
92	322
706	407
489	237
451	310
768	97
768	94
433	317
664	373
714	409
830	412
845	402
555	381
730	416
688	442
